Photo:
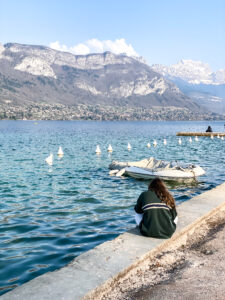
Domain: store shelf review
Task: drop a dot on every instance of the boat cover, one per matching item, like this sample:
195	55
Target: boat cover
150	168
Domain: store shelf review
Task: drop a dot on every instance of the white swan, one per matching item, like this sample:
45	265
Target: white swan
129	146
218	136
190	140
222	138
179	141
196	138
148	145
98	150
60	152
110	149
164	142
212	136
49	159
154	143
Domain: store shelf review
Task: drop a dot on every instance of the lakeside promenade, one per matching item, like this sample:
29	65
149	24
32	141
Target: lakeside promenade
100	271
197	273
194	271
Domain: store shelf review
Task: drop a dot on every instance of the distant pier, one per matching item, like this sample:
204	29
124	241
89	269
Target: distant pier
200	133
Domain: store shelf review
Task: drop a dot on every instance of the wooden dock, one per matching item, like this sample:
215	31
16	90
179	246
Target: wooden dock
200	134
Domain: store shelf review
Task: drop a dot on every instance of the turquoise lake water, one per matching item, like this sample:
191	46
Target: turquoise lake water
51	214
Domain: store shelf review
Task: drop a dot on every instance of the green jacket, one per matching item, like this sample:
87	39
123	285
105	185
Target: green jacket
158	218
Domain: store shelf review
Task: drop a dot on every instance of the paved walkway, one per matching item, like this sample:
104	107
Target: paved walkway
193	272
203	276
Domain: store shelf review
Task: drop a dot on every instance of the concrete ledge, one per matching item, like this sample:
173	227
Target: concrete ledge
92	271
200	134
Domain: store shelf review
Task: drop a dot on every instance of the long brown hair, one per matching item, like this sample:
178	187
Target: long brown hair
158	186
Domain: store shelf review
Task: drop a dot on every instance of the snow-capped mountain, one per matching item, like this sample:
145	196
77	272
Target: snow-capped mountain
194	72
196	80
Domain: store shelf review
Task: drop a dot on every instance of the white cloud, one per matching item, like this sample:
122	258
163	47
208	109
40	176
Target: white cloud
57	46
80	49
96	46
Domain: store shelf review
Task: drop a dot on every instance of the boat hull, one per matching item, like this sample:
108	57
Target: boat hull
174	175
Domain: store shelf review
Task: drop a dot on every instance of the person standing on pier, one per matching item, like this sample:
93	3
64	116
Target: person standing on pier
155	210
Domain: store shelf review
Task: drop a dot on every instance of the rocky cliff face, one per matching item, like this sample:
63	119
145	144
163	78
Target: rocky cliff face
37	74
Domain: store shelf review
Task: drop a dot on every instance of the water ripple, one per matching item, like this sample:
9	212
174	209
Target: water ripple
49	215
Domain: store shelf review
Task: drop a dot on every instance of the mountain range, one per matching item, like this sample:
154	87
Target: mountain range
196	80
37	76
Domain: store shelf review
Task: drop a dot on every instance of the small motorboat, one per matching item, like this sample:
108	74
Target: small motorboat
151	168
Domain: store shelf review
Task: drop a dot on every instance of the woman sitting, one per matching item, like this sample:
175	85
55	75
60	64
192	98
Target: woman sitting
209	129
156	212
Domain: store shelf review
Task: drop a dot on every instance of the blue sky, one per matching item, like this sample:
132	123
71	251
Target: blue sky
162	31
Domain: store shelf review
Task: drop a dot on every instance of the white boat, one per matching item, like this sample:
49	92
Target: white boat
181	174
151	168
